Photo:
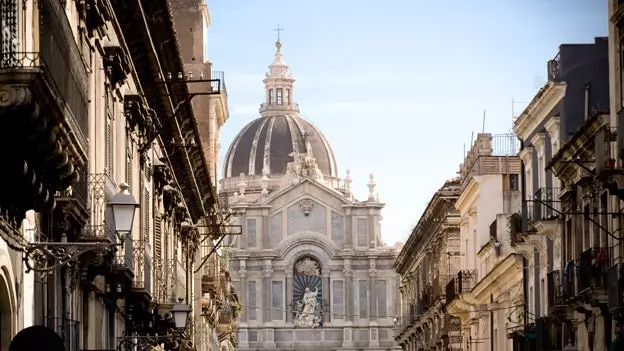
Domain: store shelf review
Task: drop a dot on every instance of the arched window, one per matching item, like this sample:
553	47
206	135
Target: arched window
279	96
307	293
271	97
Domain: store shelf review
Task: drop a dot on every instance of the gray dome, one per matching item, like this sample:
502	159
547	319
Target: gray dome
268	141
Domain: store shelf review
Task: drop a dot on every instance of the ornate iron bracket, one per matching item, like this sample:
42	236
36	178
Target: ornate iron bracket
45	257
151	342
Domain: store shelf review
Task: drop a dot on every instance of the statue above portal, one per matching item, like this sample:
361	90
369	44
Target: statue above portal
308	310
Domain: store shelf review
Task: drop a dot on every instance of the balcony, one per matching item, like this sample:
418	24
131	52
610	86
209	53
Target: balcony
44	107
615	276
592	273
554	69
142	264
570	278
555	289
57	71
543	211
168	282
462	283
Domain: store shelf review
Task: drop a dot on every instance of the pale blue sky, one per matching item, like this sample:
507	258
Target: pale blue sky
397	86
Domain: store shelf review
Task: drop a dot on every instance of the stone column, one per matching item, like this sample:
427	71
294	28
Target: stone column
326	296
242	274
289	293
372	296
349	301
348	241
266	292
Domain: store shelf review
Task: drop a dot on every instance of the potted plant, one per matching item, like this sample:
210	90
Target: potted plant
514	226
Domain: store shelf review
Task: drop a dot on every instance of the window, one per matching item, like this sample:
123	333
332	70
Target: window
363	297
271	97
251	232
279	96
338	300
362	232
146	214
276	300
382	304
108	140
513	182
251	305
287	96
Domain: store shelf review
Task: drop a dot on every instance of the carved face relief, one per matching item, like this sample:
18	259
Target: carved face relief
306	205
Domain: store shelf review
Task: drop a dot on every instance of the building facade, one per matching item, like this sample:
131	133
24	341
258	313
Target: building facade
487	294
427	261
310	266
576	91
108	94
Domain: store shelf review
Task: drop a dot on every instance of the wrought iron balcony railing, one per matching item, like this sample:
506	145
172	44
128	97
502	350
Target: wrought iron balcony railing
555	288
554	69
166	281
142	266
544	206
570	278
462	283
60	62
615	276
593	266
218	83
100	188
78	191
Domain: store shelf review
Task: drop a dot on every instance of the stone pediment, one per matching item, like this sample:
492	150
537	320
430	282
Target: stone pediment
307	189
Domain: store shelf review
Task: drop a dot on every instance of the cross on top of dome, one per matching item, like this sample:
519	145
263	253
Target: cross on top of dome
279	83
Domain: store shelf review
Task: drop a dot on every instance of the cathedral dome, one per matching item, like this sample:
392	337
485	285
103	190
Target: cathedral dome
268	142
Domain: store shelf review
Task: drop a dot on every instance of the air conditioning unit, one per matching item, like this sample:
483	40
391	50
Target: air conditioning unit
615	281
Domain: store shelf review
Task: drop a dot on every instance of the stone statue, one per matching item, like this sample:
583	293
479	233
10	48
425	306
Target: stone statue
308	311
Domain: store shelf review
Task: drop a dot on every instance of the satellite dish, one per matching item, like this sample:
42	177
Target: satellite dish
37	338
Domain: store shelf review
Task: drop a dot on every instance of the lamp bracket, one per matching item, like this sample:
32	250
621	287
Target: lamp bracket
44	257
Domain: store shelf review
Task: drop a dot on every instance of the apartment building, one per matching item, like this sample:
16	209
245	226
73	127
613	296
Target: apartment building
487	294
426	262
110	130
576	90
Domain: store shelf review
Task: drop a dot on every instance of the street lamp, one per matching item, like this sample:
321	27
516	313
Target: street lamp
123	206
180	313
44	257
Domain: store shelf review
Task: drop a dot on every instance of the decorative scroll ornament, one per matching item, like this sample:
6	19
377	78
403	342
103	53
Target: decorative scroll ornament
45	257
306	205
307	267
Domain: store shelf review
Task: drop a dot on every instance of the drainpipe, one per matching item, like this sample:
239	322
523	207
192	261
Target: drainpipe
586	101
492	348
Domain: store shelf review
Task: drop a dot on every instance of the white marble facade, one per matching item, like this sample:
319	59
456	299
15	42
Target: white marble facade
310	266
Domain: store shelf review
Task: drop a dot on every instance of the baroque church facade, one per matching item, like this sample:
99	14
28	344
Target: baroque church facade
310	265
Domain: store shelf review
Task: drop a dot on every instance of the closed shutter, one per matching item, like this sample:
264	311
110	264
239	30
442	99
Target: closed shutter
157	237
146	214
